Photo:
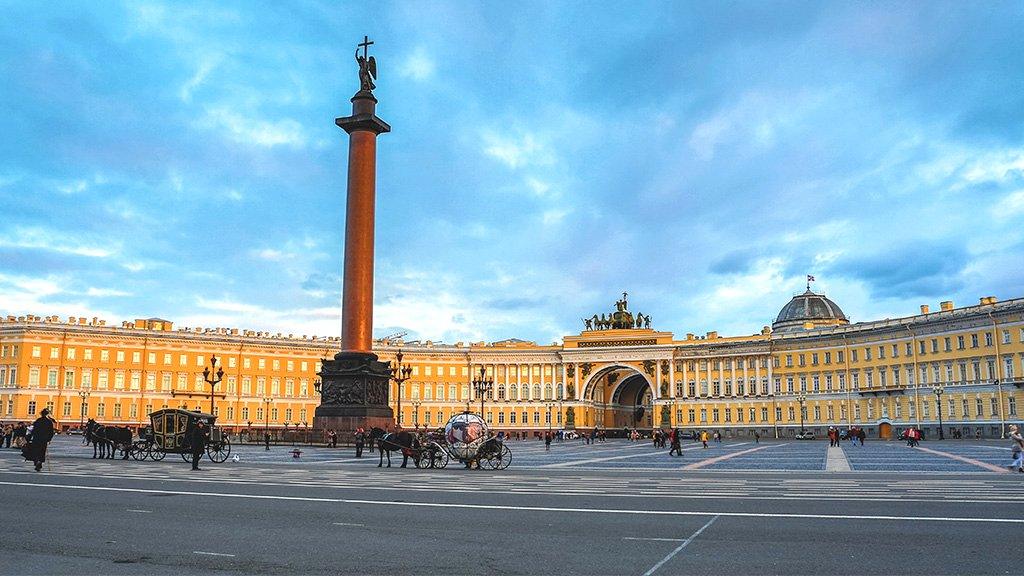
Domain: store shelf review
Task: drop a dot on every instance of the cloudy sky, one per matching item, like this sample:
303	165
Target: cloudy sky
181	161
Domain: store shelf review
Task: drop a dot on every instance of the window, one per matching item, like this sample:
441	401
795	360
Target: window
167	359
910	349
512	417
703	414
792	414
881	352
36	353
51	378
867	354
960	342
814	359
920	347
778	413
853	355
994	406
32	407
839	356
801	358
691	415
54	352
988	338
536	417
815	383
789	360
828	357
119	355
1011	405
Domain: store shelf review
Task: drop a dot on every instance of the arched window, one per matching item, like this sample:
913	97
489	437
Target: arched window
536	392
547	392
501	391
524	392
513	392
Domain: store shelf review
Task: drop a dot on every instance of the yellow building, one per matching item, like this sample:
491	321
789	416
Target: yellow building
965	363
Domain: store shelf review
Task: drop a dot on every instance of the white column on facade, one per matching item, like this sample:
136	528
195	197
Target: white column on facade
686	387
672	378
542	366
657	379
771	381
576	379
564	378
757	373
710	381
519	381
732	367
746	380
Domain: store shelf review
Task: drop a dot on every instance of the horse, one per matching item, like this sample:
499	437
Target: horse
387	442
106	440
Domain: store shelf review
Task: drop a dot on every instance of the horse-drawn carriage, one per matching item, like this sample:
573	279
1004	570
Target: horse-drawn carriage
169	432
465	438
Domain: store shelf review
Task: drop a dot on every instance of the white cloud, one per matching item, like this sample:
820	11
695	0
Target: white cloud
418	65
245	130
269	254
43	239
20	295
197	79
73	187
1009	206
537	186
514	152
106	292
554	216
234	195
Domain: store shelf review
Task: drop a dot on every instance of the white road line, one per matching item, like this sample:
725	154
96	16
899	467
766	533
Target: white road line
347	524
680	547
212	553
529	508
657	539
835	460
140	511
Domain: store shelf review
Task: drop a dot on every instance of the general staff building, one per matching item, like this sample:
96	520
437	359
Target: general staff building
812	368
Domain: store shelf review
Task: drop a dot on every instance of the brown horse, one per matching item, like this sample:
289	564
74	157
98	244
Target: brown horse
386	442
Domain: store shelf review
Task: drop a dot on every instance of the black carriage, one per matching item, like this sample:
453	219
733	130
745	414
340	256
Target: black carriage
170	430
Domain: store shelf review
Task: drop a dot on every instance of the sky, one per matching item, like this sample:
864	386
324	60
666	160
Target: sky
180	160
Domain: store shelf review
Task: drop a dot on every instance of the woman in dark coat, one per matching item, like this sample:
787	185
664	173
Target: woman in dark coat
39	439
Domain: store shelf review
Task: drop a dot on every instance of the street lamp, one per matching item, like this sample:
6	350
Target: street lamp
416	413
938	389
801	399
400	374
549	405
248	430
266	418
213	378
482	386
84	395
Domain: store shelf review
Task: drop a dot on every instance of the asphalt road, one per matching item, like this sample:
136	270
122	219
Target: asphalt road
325	516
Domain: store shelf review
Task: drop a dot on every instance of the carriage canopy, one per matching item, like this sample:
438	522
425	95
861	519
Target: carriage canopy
172	426
465	433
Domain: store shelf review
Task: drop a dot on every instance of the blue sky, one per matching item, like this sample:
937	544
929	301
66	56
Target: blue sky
180	160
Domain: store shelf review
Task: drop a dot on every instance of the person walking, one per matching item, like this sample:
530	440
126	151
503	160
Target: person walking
675	436
547	441
360	442
757	438
8	432
861	435
39	439
333	437
1017	450
704	438
266	440
197	440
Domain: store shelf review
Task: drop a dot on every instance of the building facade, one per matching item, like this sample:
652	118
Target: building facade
811	369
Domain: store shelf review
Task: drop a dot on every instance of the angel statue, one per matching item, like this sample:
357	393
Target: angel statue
367	71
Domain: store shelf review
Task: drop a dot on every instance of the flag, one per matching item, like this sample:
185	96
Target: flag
810	278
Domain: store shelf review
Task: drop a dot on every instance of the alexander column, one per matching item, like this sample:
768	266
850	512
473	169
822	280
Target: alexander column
354	385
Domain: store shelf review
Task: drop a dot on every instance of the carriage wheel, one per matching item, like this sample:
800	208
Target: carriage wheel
123	450
157	454
504	459
219	451
423	460
439	459
140	450
186	456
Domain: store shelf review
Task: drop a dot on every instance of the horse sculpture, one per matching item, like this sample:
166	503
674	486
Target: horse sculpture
107	439
386	442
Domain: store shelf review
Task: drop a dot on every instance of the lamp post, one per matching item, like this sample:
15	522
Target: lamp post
938	389
775	420
266	418
400	374
213	375
84	395
248	430
801	399
549	405
482	385
416	413
305	432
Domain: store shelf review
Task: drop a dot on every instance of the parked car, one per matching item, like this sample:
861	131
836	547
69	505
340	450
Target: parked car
570	434
806	435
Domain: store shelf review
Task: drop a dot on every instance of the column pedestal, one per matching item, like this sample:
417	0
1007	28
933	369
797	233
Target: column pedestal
353	394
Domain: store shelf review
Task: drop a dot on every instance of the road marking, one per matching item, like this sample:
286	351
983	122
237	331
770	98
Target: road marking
347	524
527	508
139	511
212	554
957	457
680	547
709	461
835	460
593	460
657	539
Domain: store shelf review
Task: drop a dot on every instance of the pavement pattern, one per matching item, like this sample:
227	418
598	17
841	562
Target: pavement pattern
610	508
